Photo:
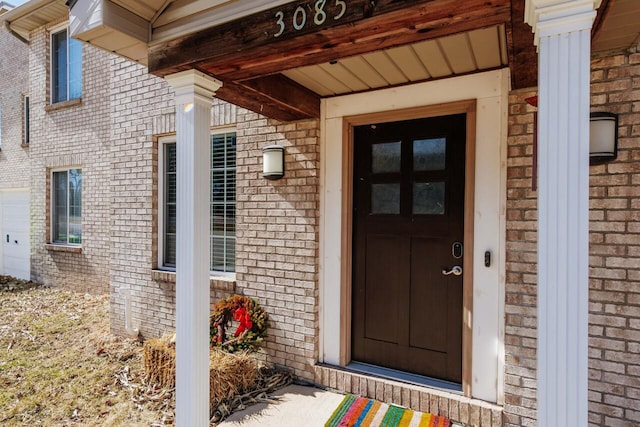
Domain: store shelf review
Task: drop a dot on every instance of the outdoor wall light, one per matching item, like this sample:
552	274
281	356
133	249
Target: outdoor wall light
603	139
273	162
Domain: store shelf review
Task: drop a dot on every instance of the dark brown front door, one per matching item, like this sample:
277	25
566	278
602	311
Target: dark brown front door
408	231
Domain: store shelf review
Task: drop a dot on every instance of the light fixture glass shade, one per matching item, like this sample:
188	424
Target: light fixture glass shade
603	137
273	162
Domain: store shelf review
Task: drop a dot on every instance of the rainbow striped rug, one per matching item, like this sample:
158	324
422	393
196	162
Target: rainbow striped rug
360	412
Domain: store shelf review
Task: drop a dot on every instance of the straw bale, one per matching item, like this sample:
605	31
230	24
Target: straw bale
230	374
159	356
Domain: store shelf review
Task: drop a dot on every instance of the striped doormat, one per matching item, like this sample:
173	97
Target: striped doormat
360	412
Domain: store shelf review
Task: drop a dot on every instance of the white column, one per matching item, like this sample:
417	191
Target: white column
193	95
563	36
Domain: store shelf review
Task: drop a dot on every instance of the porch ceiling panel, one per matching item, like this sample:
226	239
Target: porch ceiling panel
469	52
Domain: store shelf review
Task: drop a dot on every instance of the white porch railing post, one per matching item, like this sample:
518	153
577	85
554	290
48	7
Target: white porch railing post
193	96
563	36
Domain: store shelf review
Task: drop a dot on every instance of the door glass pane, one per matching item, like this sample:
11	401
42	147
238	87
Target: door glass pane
385	157
385	198
428	198
429	154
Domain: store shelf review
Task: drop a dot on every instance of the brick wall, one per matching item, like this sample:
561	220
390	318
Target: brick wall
277	221
142	109
277	237
77	134
14	84
521	258
614	330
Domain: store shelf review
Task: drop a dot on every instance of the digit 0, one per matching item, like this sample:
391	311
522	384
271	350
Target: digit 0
299	15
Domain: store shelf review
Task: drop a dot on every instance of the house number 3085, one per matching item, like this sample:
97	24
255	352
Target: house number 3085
299	18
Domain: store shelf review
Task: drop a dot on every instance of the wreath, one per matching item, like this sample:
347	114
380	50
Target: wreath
251	322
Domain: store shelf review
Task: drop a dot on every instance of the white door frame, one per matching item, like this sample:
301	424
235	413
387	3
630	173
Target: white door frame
490	90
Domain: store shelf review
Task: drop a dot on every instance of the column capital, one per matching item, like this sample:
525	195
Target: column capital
553	17
191	83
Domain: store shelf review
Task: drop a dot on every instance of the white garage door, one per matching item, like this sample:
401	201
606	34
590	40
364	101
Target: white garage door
14	218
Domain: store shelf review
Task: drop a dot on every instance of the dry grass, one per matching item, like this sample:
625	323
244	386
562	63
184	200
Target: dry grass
60	366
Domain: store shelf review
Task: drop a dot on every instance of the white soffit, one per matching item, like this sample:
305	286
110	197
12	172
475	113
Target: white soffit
33	14
469	52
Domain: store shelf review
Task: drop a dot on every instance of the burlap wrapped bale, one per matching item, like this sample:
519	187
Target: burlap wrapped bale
230	374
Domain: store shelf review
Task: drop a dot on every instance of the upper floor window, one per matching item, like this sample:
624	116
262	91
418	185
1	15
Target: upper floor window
66	212
222	234
66	67
25	121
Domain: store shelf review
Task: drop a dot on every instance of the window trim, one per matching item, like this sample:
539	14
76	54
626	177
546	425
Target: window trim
160	211
53	31
52	241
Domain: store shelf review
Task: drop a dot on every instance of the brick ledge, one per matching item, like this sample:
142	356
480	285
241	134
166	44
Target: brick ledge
217	282
460	409
63	104
63	248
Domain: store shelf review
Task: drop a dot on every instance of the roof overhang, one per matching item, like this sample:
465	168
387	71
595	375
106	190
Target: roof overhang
22	20
5	7
236	42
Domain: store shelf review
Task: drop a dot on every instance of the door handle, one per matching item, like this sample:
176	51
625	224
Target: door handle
456	270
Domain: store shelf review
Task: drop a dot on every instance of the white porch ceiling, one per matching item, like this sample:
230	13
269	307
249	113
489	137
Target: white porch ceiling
469	52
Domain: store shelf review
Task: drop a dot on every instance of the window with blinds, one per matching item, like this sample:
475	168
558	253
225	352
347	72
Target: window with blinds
66	67
222	235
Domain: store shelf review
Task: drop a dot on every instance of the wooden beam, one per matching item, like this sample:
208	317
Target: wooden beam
247	48
286	93
523	56
269	105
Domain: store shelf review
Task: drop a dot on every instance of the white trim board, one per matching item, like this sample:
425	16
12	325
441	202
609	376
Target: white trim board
490	90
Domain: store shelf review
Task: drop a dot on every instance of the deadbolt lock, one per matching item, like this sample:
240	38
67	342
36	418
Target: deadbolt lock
456	250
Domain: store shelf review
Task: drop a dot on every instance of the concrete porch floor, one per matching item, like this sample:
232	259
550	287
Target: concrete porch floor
297	405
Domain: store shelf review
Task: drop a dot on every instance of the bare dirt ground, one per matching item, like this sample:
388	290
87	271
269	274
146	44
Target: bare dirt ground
60	366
